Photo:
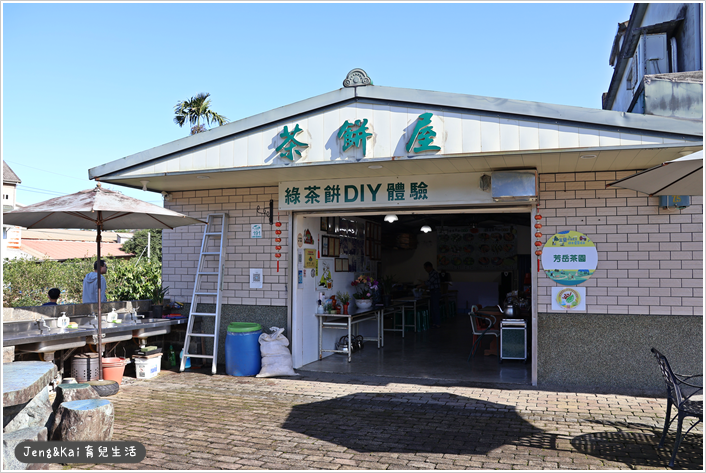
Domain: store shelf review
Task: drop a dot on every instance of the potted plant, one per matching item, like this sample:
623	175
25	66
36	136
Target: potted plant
158	296
345	298
365	289
387	283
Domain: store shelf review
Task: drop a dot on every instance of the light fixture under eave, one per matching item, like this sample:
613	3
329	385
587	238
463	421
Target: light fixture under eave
588	156
203	177
375	166
426	228
391	218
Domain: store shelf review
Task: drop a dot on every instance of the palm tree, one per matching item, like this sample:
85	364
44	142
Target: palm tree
195	108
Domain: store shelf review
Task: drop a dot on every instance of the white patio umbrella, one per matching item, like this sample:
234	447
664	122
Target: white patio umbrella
101	209
683	176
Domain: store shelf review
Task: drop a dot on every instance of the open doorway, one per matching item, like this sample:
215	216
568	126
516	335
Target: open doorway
481	257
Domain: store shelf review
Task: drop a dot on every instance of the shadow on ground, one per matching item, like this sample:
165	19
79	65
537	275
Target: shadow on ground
411	422
636	445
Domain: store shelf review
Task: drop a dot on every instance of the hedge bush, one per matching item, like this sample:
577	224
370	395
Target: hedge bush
27	281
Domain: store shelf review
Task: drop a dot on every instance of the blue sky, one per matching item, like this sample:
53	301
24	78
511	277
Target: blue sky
86	84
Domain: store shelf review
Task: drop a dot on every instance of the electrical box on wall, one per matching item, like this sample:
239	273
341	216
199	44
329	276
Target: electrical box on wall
676	201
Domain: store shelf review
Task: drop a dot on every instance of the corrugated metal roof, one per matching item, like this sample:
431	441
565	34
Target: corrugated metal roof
63	250
71	235
563	114
8	175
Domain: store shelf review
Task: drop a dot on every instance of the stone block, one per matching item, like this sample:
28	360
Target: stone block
12	439
22	380
34	413
8	354
86	420
67	392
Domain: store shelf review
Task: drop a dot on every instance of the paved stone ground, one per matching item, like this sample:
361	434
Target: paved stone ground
330	422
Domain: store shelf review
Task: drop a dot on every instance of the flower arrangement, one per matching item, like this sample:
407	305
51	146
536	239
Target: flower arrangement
364	286
343	297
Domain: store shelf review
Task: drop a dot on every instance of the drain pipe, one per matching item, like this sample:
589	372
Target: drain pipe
636	17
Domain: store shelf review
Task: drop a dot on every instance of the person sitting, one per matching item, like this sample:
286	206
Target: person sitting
54	295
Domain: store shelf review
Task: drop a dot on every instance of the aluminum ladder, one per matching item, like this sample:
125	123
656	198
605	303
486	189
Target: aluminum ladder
207	288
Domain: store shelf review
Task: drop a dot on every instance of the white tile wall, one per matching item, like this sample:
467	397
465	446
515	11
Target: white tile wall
650	260
181	246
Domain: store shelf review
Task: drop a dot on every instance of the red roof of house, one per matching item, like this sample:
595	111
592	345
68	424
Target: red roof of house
63	250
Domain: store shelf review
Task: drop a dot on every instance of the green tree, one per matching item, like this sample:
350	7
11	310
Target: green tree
27	281
138	243
193	110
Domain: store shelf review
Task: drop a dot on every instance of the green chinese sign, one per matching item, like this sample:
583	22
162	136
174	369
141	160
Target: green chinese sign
382	192
336	194
423	135
289	146
356	135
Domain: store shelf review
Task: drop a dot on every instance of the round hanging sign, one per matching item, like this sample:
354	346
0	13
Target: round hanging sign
569	258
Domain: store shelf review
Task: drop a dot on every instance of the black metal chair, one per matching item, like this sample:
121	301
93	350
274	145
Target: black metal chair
685	407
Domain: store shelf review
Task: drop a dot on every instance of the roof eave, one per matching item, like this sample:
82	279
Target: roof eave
220	132
413	98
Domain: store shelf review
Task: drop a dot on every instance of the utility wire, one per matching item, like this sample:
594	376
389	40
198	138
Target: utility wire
45	170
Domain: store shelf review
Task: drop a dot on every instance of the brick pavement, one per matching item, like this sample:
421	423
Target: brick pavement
335	422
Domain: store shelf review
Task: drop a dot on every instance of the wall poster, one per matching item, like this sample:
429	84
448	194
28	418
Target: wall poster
477	248
326	279
310	260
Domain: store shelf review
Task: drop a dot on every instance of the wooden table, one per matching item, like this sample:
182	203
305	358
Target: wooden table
346	322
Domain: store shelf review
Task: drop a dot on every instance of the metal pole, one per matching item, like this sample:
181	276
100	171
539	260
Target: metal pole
100	318
149	245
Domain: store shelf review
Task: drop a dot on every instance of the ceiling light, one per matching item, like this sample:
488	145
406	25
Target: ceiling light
202	177
587	156
375	166
426	228
391	218
144	185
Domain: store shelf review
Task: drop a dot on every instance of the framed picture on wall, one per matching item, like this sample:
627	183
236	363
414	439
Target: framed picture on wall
336	247
331	225
324	245
324	224
341	265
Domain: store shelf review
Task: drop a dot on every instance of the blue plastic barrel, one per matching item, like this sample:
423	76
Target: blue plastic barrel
243	349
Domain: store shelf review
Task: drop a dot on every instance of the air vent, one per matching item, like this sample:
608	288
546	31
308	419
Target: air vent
514	186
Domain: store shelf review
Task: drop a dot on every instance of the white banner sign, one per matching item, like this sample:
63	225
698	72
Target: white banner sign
400	191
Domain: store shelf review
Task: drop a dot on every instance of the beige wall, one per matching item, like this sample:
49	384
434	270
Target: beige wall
180	247
650	260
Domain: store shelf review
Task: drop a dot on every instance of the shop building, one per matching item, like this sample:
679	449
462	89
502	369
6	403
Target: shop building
335	165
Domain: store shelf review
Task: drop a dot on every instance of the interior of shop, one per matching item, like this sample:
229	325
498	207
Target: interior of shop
483	260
